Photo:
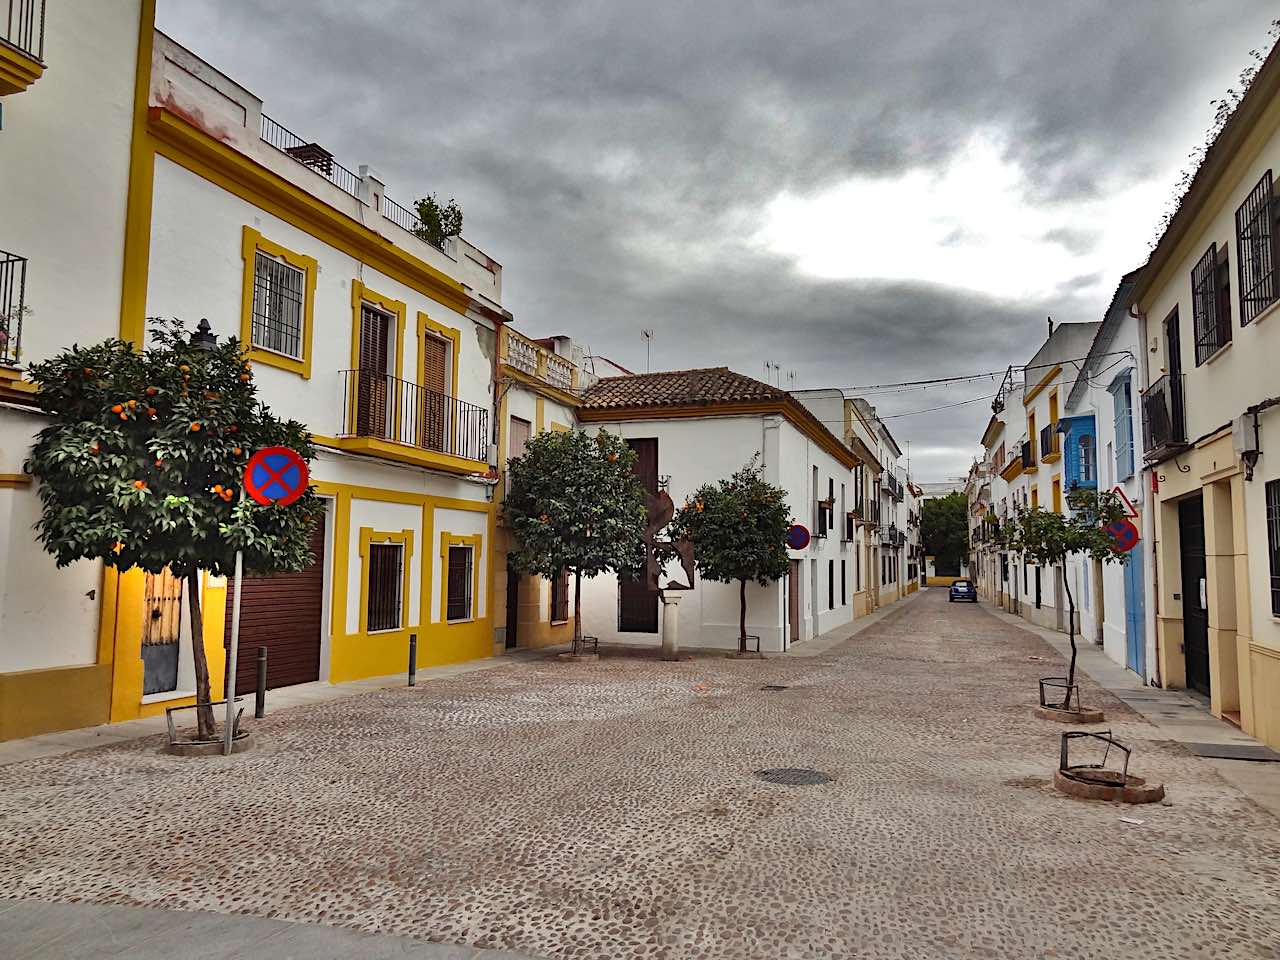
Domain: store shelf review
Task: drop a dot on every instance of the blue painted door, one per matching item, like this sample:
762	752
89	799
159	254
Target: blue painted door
1134	620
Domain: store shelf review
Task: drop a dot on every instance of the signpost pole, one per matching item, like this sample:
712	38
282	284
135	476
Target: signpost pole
232	652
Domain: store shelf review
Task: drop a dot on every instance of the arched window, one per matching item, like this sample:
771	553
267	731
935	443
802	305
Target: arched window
1088	471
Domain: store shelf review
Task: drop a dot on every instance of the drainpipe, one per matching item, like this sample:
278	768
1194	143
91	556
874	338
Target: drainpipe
1150	506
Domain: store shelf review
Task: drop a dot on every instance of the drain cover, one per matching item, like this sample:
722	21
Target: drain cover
794	777
774	686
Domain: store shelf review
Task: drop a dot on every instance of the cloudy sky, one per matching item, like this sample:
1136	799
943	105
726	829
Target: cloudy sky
859	192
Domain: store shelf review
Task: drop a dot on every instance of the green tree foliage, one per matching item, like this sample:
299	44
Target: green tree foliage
739	529
141	463
1046	539
944	530
438	220
575	504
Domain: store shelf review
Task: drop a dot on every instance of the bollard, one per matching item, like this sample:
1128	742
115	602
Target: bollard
413	659
260	700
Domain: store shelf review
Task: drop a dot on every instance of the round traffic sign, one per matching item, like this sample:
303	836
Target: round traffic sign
276	475
1125	535
797	536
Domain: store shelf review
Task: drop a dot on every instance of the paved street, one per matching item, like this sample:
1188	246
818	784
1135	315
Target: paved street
611	810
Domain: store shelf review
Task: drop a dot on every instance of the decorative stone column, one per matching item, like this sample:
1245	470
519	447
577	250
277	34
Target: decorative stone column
670	626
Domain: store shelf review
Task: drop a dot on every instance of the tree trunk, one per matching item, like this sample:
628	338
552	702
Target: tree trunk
1071	636
742	616
204	713
577	609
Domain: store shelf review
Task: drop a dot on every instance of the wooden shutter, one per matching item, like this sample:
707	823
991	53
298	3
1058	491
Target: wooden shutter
373	379
435	406
518	436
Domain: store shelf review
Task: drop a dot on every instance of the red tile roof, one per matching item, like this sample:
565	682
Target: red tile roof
707	387
710	385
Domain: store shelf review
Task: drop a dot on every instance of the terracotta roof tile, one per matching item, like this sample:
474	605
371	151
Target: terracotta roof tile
710	385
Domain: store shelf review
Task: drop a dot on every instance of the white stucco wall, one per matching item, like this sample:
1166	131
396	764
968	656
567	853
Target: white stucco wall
64	151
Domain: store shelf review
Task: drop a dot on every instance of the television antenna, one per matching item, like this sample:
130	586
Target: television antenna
648	339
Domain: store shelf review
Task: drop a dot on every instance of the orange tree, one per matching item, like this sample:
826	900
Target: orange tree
141	466
575	504
739	532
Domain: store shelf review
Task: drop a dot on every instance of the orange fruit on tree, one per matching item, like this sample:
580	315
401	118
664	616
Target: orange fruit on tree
195	428
237	451
132	404
184	368
124	416
151	411
117	408
152	391
140	484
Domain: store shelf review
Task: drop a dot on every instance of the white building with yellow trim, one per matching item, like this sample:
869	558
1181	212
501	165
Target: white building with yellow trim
384	345
1208	302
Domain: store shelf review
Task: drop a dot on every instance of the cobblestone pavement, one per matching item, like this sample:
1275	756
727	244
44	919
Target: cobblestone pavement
610	810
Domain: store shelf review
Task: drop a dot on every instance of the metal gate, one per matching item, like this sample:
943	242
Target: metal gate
161	628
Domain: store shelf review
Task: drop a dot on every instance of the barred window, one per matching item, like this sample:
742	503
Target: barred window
386	568
560	597
1273	542
1256	249
459	602
1211	303
277	306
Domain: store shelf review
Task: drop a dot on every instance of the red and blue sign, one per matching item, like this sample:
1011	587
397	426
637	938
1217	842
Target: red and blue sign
276	475
797	536
1124	533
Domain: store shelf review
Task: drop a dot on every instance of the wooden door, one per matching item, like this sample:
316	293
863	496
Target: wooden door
637	604
435	406
513	607
1134	615
372	407
161	628
284	613
1195	593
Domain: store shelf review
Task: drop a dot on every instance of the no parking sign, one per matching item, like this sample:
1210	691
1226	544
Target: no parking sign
276	475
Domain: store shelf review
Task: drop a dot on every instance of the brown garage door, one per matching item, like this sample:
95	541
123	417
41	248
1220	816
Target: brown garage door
282	613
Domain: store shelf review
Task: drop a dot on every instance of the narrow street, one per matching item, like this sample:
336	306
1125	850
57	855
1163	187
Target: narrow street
612	810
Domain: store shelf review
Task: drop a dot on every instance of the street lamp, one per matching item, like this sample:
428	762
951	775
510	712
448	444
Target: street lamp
203	338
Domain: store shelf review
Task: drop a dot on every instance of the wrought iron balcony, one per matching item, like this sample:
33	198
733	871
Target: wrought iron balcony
1164	429
1028	455
1050	442
24	27
13	288
381	407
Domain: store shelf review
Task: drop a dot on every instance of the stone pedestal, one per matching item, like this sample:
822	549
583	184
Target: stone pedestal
670	626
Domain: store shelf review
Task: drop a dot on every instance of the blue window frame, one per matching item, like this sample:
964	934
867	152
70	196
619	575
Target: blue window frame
1122	408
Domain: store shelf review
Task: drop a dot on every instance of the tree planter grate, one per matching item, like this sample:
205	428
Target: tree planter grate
795	777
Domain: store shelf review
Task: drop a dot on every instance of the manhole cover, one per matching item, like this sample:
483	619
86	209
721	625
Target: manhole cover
774	686
794	777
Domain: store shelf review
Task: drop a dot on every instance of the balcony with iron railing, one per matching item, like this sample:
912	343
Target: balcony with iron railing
534	360
13	289
21	44
1029	455
1164	425
385	409
1050	443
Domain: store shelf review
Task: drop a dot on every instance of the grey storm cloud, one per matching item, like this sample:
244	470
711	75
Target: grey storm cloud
617	158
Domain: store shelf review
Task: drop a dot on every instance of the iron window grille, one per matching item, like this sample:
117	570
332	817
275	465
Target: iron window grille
13	288
1256	250
1273	542
1210	304
459	600
386	568
277	306
1163	424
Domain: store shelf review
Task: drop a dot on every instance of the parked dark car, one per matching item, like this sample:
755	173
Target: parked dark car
963	590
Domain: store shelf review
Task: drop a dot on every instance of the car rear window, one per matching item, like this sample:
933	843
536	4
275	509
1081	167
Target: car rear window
962	583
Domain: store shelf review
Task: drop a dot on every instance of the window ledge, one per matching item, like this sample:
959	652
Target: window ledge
1217	354
165	696
558	623
1268	311
456	623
